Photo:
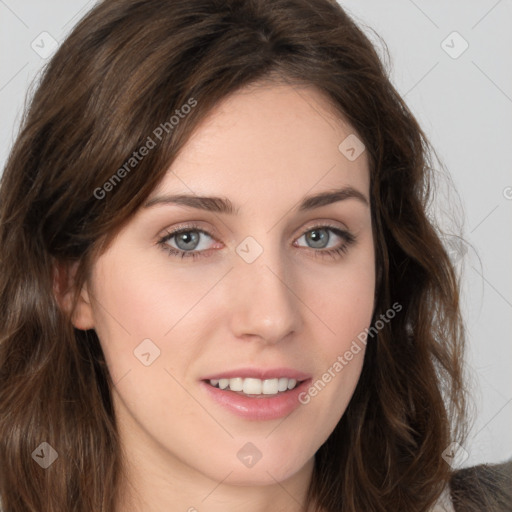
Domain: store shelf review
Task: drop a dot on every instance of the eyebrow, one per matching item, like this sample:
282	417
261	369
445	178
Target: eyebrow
224	205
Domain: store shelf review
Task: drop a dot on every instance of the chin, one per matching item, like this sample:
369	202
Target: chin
276	468
251	477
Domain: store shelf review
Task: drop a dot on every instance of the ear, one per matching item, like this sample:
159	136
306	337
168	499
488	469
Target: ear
63	289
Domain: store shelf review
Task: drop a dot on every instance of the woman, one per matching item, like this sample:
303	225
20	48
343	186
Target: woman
220	287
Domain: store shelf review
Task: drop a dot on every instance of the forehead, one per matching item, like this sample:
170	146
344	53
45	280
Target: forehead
269	143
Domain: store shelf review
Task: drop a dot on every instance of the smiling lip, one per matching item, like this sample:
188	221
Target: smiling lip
260	407
260	373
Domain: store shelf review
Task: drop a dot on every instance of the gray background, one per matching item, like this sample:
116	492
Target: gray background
464	104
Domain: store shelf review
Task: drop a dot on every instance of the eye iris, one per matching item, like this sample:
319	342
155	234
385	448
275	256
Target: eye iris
189	238
318	237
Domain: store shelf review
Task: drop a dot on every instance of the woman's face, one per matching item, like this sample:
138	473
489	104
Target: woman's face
274	290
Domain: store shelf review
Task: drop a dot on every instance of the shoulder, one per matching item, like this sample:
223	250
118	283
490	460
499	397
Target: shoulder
444	503
482	488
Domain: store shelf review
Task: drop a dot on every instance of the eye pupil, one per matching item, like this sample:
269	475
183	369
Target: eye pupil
318	237
189	238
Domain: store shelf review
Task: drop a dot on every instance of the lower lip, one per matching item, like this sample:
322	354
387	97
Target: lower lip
264	407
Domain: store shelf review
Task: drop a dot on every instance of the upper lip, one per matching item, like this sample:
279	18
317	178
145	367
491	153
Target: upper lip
260	373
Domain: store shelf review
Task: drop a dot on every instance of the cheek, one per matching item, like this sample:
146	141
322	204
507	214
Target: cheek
137	301
147	299
343	301
342	298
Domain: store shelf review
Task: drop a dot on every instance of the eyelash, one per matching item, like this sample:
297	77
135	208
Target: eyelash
349	239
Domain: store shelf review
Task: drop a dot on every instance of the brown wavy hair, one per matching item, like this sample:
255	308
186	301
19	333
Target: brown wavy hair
125	69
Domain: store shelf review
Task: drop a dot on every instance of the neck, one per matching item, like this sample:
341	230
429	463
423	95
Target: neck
149	489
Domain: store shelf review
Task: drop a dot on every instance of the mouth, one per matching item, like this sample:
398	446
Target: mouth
257	395
256	388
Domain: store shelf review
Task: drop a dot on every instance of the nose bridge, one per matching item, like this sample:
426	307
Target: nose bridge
264	301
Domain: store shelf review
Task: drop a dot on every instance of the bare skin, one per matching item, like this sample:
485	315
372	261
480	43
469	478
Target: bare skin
265	148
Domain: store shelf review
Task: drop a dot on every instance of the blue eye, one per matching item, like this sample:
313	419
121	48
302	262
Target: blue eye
188	239
320	236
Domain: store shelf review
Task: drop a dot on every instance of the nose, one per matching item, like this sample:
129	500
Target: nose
263	303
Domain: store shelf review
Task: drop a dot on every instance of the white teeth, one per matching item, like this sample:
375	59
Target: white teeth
251	386
236	384
282	384
291	383
270	386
